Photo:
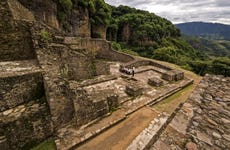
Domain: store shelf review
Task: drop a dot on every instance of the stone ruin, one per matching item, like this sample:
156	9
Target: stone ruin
203	122
59	88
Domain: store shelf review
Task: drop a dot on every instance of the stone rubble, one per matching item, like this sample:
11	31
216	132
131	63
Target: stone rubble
203	122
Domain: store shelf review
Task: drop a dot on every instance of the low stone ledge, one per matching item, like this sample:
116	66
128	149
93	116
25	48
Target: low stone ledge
133	89
101	79
179	75
173	75
168	76
155	82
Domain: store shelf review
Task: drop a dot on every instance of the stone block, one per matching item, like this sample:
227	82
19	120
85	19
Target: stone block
133	89
112	101
169	76
20	89
173	75
179	75
155	82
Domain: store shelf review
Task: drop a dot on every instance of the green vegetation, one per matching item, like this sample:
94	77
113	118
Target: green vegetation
212	31
117	46
47	145
169	104
139	28
142	33
99	12
213	48
45	36
139	32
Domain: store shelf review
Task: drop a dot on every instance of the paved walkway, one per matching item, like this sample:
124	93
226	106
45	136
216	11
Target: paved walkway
119	137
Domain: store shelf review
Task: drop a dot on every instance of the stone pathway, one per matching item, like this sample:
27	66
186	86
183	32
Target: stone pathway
203	122
70	136
119	137
145	137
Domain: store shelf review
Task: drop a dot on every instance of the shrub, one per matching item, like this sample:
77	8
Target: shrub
45	36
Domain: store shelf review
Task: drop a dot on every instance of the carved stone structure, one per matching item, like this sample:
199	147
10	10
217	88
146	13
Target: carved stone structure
155	82
203	121
173	75
133	89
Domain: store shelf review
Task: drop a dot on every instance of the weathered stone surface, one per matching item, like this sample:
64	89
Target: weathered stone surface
226	137
179	75
19	12
207	124
216	135
112	101
25	124
133	89
191	146
155	82
173	75
15	36
18	90
169	76
45	11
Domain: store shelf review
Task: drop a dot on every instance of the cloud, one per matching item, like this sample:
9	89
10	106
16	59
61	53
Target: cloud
183	10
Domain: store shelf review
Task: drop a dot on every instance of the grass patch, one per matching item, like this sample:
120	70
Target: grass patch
170	104
47	145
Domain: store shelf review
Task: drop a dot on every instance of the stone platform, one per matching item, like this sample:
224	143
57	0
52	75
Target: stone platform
203	121
73	136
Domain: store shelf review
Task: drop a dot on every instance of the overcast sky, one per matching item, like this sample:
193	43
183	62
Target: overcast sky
179	11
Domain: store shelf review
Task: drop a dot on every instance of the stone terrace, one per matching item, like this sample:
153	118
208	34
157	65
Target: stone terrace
72	135
204	120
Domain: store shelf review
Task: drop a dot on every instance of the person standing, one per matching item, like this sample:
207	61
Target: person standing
133	71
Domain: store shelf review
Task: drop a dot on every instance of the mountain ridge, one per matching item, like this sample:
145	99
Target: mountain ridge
206	30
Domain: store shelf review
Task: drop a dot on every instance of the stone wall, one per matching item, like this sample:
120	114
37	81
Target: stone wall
43	10
55	81
19	12
100	47
210	125
19	90
24	115
15	36
79	66
99	31
91	106
138	63
80	23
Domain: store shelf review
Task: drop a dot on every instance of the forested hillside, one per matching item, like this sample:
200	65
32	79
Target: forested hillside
213	48
149	35
131	30
214	31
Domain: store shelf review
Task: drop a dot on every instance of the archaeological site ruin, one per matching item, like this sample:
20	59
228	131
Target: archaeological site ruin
70	88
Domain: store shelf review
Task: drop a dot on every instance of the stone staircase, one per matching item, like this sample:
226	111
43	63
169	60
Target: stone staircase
24	112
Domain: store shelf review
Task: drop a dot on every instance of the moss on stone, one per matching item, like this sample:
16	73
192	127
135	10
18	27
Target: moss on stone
46	145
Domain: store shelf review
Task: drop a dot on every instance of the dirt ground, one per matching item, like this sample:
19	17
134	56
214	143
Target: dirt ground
121	135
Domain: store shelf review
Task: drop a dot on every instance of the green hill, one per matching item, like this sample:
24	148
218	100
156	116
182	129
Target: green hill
213	48
149	35
214	31
132	31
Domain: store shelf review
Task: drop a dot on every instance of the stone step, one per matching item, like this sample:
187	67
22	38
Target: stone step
72	40
151	133
20	82
141	101
145	137
18	68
